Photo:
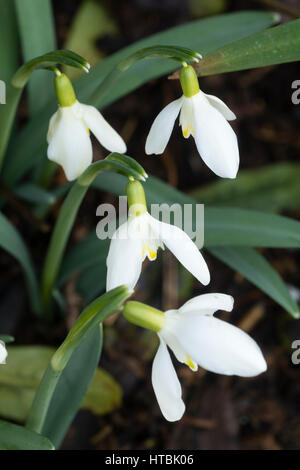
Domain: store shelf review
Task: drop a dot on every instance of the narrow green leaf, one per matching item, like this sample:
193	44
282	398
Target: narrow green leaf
7	338
11	241
257	270
37	33
271	188
223	226
72	387
14	437
276	45
203	35
9	50
32	193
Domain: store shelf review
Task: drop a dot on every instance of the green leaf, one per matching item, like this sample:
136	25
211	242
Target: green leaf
14	437
92	281
7	338
72	387
257	270
37	33
82	256
23	372
271	188
11	241
9	50
204	35
30	192
276	45
224	226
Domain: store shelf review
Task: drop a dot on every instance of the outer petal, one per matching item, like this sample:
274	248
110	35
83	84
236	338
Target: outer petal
183	248
162	127
124	260
221	106
207	304
220	347
103	131
3	353
215	139
52	126
166	385
70	145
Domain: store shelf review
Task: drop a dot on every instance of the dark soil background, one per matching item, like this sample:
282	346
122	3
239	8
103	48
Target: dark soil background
221	412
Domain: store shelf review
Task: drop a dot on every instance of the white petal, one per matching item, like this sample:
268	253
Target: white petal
124	260
162	127
215	139
221	106
183	248
166	385
52	126
70	145
207	304
3	353
103	131
220	347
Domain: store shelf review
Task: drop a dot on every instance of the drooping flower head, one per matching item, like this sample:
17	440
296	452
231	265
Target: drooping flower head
141	236
205	118
3	353
196	338
69	131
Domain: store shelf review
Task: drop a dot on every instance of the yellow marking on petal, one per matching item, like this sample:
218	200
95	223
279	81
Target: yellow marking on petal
152	254
190	363
186	132
88	131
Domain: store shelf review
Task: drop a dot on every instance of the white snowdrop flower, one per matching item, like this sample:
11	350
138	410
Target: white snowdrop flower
196	338
140	237
205	118
69	132
3	353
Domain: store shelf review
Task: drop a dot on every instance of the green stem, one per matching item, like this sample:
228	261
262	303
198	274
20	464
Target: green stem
42	400
59	240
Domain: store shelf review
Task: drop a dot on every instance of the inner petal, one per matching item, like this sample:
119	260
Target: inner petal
186	120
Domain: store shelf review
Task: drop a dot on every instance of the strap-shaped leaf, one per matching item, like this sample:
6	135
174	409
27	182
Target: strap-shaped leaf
14	437
37	32
257	270
276	45
11	241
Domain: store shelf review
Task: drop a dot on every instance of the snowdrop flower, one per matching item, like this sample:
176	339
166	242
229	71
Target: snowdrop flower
3	353
69	131
205	118
140	237
195	337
